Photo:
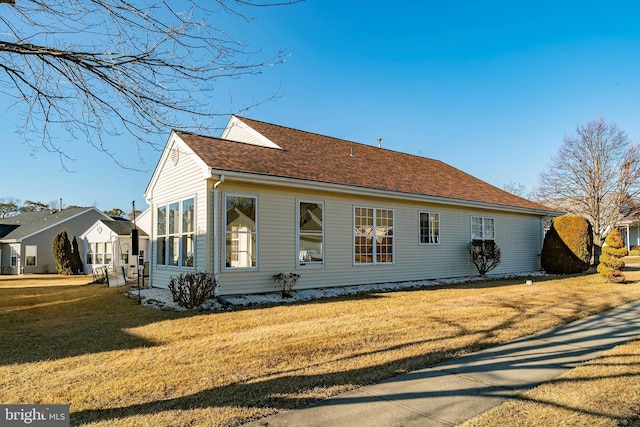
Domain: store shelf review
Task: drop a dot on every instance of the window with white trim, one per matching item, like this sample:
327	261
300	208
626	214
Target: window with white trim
310	229
90	247
175	234
241	231
31	255
99	253
13	260
483	228
429	228
373	235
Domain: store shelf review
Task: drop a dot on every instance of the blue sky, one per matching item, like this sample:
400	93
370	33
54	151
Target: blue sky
491	88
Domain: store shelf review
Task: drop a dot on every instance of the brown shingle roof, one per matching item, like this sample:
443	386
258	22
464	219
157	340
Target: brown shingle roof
314	157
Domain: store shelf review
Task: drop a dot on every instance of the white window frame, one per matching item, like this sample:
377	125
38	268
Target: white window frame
173	251
34	248
304	260
487	224
13	257
374	235
234	255
429	230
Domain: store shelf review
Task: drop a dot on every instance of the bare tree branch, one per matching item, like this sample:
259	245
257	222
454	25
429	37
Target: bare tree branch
101	68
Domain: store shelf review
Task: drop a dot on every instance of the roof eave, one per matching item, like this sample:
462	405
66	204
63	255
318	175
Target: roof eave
251	178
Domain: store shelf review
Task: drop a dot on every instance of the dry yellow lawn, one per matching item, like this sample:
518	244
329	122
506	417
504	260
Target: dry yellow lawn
117	363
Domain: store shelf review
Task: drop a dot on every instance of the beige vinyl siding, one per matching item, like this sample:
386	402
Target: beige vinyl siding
178	182
518	235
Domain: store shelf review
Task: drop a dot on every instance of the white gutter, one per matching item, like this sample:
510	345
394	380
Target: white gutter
216	237
351	189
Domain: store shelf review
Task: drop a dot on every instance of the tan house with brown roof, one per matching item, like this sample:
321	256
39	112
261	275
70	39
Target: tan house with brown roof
264	199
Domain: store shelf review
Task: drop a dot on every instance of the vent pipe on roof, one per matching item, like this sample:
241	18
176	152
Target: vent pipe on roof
379	142
352	155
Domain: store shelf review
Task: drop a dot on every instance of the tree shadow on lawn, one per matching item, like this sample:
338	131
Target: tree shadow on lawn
52	323
269	393
283	393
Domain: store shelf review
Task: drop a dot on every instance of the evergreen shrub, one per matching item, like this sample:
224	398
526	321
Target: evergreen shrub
611	259
567	245
61	249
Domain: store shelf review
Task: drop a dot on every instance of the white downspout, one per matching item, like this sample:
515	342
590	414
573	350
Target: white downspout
216	237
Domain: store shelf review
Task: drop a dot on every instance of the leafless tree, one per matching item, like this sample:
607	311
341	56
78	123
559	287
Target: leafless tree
595	174
98	68
516	188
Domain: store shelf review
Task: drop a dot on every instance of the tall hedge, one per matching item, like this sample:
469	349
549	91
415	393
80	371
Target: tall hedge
76	259
567	245
61	249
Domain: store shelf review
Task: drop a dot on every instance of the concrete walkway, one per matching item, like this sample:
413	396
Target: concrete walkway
459	389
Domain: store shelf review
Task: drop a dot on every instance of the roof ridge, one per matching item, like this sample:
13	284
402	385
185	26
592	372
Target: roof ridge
341	139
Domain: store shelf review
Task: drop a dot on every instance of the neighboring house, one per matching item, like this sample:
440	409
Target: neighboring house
265	199
109	242
26	240
630	231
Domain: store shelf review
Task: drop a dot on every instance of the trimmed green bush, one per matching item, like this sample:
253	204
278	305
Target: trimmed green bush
567	245
611	259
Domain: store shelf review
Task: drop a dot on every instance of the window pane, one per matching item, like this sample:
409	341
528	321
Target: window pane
489	228
162	220
310	248
476	228
384	233
384	249
310	233
174	218
364	220
89	253
174	245
187	216
310	217
241	213
161	249
187	250
429	227
240	249
434	228
30	253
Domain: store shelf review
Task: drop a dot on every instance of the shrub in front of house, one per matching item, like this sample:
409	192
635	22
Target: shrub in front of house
611	259
191	290
567	245
485	254
285	283
635	251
